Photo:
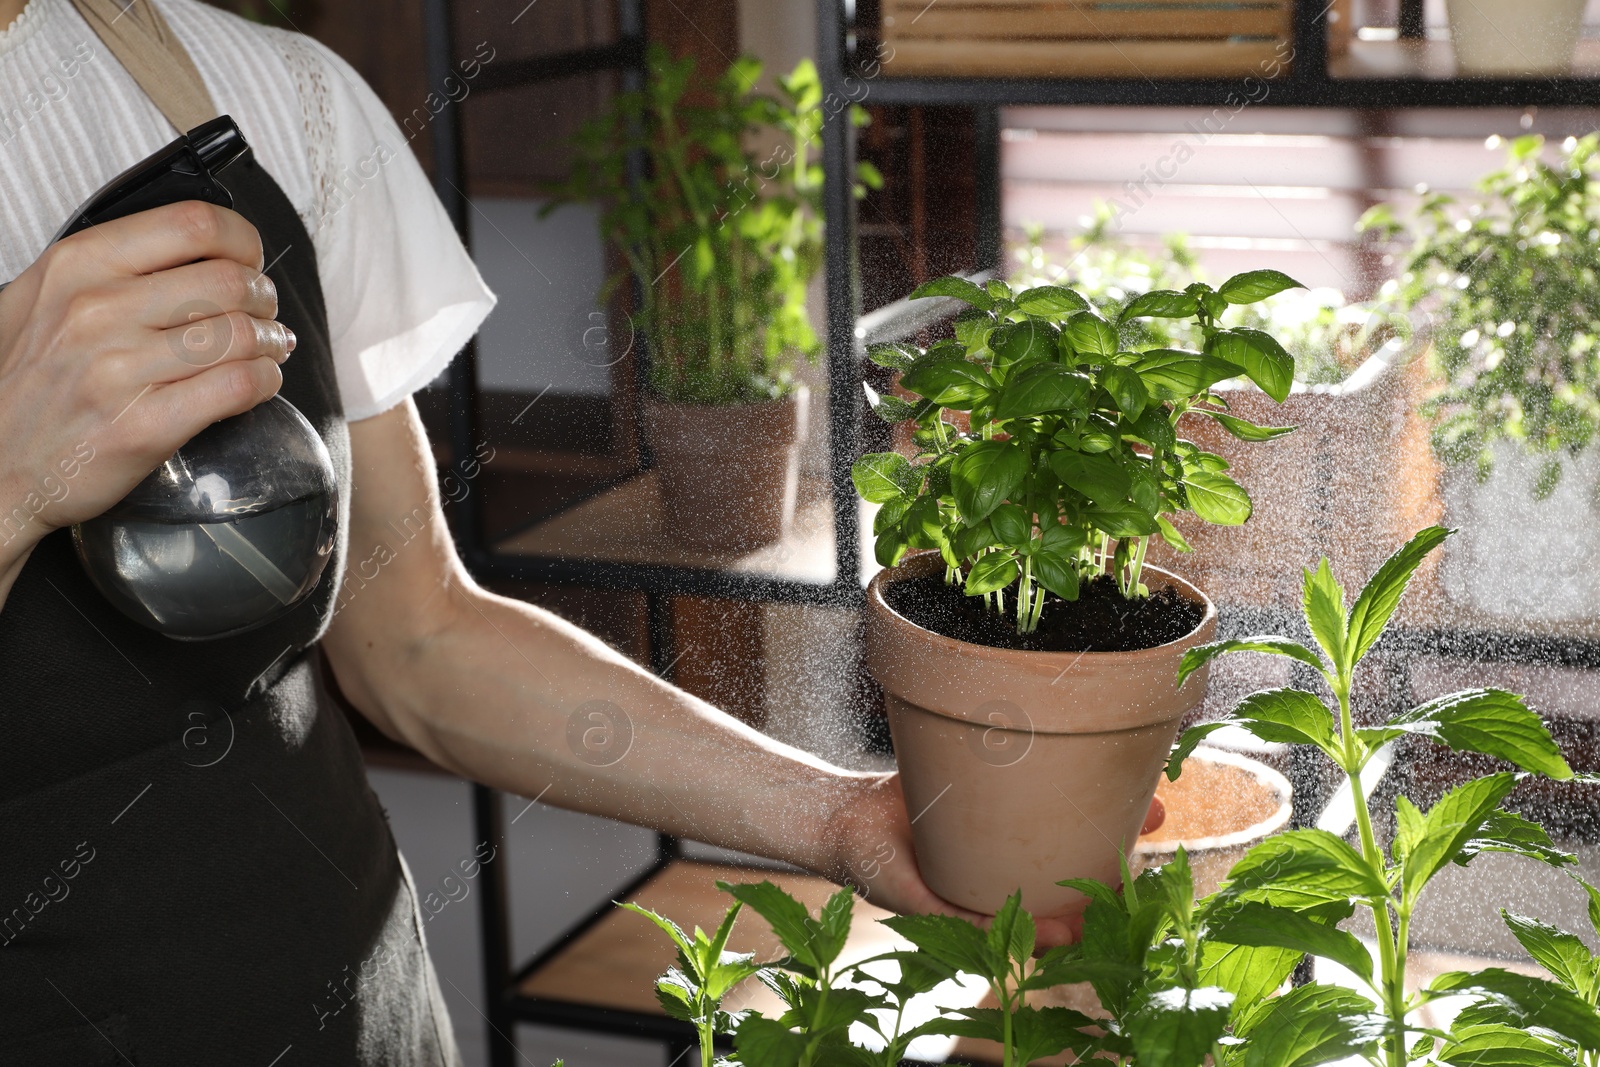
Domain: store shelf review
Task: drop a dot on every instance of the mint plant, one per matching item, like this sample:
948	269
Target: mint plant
1186	982
1048	450
718	242
1281	896
706	972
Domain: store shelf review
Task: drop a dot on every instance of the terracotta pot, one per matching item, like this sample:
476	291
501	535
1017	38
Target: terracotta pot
1350	483
730	474
1220	806
1024	768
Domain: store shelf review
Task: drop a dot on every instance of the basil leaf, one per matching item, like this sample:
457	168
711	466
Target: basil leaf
1160	304
1266	361
1255	285
959	288
984	476
1174	374
1050	300
1217	498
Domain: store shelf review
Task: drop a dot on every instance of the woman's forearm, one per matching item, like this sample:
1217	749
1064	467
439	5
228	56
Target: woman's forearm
513	696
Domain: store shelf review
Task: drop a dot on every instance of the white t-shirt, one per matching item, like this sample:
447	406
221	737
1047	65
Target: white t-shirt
402	294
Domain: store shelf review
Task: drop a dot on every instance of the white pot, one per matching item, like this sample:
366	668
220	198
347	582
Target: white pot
1515	37
1516	557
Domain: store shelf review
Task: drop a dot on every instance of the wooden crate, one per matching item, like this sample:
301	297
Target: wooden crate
1087	38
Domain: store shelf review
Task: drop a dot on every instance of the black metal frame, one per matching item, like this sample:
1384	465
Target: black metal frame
1307	84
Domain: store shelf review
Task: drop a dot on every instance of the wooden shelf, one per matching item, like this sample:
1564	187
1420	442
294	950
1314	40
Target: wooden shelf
624	525
1435	60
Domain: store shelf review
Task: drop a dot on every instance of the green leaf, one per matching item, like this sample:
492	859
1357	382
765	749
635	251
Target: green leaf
1291	716
1122	520
1255	285
1532	1002
1323	603
1303	868
997	570
802	936
959	288
1499	1045
1061	540
1126	388
1200	655
1246	431
1177	1027
671	928
953	942
769	1043
1310	1025
1028	341
1042	388
1160	304
1251	974
1506	831
1091	336
1450	824
984	476
1217	498
1493	722
892	409
1261	356
1057	574
881	477
1170	534
1099	476
1381	595
1012	525
1564	955
1594	903
950	381
1011	932
898	356
1264	926
1042	1032
1050	300
1173	374
1154	427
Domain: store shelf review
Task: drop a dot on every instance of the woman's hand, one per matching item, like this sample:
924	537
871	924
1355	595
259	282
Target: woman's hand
875	855
117	345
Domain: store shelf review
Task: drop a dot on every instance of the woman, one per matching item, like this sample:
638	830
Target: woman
159	904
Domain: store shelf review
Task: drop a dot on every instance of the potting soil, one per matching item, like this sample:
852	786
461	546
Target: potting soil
1100	620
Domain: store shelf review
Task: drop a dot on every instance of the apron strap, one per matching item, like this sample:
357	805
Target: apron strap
139	37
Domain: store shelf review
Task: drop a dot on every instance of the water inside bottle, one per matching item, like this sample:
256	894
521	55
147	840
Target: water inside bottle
197	580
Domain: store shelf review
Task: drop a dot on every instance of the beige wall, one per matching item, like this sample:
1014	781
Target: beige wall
780	32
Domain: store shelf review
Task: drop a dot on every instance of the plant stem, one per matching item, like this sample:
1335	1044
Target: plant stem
1391	957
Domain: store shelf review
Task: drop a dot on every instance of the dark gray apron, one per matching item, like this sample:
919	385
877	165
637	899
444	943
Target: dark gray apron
193	869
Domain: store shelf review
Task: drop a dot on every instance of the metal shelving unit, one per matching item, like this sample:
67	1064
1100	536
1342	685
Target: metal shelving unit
1307	84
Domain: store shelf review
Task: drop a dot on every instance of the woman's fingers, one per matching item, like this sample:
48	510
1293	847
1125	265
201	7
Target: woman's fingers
156	240
198	291
206	342
173	413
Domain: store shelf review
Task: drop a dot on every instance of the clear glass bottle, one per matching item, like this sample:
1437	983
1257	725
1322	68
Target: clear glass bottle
232	532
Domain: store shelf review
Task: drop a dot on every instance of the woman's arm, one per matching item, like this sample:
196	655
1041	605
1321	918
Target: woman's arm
510	695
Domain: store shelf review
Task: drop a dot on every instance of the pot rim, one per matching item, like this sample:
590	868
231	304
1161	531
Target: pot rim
912	566
1268	776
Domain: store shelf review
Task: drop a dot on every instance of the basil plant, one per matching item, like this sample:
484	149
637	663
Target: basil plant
1047	440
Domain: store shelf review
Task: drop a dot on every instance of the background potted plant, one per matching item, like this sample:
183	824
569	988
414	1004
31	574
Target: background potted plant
1350	403
1175	978
717	245
1509	285
1027	655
